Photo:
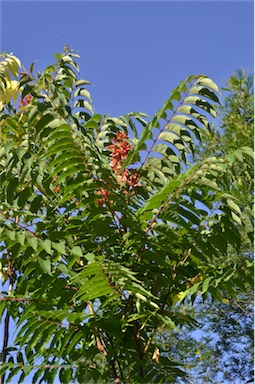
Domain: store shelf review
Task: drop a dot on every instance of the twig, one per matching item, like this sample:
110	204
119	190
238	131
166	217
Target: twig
139	347
101	346
25	227
149	340
10	272
116	358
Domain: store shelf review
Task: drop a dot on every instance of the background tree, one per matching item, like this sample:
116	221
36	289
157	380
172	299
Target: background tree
225	350
106	232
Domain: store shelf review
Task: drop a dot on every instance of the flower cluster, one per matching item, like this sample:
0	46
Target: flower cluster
104	196
25	101
120	147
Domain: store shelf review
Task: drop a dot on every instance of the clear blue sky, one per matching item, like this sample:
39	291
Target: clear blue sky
134	52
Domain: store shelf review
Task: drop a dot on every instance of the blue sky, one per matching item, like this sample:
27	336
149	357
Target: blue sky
134	52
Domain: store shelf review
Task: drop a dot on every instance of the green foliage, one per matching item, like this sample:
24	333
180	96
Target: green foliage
224	351
106	231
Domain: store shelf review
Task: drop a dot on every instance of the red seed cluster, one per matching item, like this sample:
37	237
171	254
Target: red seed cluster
57	189
25	101
104	193
120	149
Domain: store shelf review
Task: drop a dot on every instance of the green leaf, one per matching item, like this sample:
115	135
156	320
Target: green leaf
33	242
83	104
46	245
176	96
64	157
58	123
83	92
65	375
66	143
21	238
73	170
207	107
82	82
63	268
168	136
208	183
44	121
10	234
90	257
234	206
207	82
236	218
205	92
159	198
194	289
206	284
76	251
60	247
75	340
238	154
36	204
45	264
248	151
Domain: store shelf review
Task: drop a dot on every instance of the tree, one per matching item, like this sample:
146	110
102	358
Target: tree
226	345
106	231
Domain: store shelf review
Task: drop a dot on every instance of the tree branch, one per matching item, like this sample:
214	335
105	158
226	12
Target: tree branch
101	346
137	338
10	272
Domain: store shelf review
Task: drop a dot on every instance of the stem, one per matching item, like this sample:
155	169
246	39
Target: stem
25	227
101	346
149	340
156	322
5	342
139	347
10	272
186	255
116	359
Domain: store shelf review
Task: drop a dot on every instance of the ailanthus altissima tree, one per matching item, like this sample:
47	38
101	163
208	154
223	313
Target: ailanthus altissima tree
105	226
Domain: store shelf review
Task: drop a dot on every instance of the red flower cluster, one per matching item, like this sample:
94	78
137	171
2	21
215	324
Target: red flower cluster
57	189
104	193
120	149
25	101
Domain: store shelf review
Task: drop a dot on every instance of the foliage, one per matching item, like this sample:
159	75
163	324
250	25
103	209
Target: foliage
106	231
236	116
218	347
224	349
236	121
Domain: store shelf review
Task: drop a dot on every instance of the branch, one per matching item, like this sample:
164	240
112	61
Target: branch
25	227
15	299
10	272
101	346
116	358
156	322
139	346
150	340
